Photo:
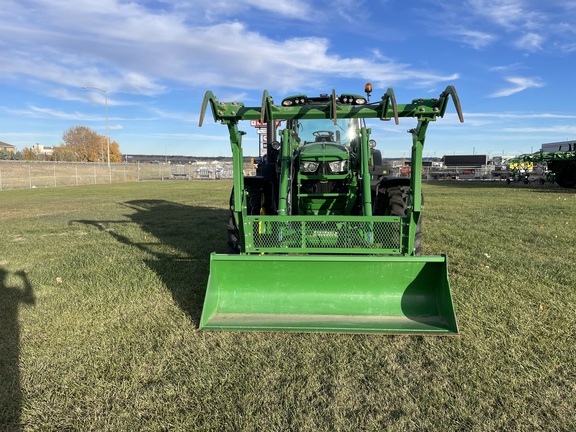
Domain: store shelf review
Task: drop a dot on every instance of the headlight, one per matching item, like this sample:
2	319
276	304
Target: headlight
308	167
337	167
372	143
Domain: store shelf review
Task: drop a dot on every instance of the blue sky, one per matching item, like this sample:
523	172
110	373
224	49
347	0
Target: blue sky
512	62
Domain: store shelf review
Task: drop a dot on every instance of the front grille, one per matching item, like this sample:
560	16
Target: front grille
329	186
335	234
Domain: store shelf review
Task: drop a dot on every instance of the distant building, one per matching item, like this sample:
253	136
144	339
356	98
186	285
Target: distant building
475	161
559	146
39	149
7	147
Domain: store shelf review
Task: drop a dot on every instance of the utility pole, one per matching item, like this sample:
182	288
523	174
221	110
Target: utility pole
106	107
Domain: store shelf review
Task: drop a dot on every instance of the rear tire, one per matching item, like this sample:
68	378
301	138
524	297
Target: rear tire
253	203
395	200
565	173
232	233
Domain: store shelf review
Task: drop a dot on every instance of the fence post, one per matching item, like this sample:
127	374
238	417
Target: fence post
54	174
76	167
30	176
94	172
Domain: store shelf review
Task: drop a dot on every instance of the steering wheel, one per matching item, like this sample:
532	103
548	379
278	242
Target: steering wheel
326	134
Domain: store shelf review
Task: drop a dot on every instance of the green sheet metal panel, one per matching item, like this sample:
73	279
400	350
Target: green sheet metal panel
357	294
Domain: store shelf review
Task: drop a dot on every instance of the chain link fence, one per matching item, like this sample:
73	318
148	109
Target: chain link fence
29	174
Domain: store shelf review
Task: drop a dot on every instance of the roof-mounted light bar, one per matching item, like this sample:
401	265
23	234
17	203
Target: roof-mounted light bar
352	99
295	100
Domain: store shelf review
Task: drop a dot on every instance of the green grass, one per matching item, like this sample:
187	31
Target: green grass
102	290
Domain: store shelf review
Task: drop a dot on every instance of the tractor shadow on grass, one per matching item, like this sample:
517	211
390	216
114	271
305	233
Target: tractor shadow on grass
11	297
178	240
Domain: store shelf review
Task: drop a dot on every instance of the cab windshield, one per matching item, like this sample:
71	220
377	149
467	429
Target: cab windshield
323	130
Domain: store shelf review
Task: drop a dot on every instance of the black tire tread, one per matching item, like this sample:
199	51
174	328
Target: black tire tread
395	204
253	202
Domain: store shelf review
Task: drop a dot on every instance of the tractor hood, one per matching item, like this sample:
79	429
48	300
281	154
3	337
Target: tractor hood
324	151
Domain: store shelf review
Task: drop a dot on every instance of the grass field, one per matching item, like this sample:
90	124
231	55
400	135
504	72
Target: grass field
101	295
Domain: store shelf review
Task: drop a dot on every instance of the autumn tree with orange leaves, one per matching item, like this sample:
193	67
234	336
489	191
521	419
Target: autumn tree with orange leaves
82	144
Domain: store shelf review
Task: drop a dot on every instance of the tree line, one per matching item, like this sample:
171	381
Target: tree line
79	144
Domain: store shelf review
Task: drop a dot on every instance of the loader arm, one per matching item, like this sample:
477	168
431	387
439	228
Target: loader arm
389	101
451	91
386	109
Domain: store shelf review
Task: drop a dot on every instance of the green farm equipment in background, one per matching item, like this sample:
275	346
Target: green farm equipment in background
558	166
323	238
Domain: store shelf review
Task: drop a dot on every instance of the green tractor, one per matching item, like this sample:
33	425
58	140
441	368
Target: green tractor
324	238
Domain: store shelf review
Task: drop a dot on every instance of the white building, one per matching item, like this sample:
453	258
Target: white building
39	149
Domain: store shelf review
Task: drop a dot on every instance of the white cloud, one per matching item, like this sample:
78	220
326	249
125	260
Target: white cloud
561	129
57	114
526	25
185	117
38	112
521	116
506	13
476	39
530	42
210	11
289	8
518	84
507	68
126	47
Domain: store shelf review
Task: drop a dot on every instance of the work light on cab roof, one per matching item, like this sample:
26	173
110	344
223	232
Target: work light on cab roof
301	99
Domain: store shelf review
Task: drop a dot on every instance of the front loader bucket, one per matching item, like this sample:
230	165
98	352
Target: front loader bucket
309	293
